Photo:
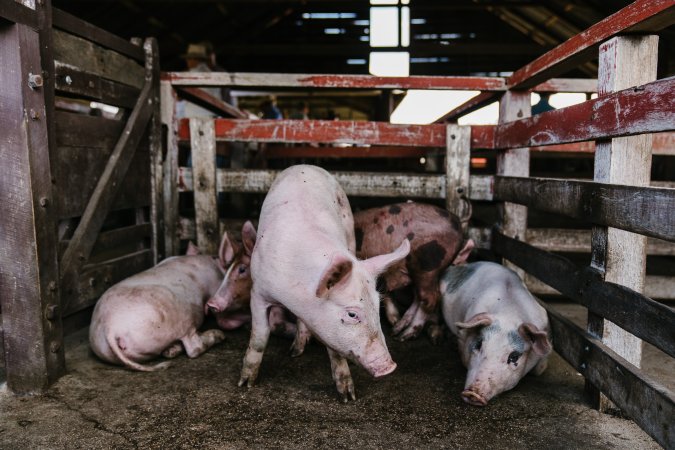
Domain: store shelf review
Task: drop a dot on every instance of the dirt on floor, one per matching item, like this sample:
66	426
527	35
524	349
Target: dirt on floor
196	404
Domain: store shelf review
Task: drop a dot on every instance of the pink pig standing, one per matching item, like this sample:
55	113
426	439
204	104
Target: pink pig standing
153	312
304	260
501	329
436	241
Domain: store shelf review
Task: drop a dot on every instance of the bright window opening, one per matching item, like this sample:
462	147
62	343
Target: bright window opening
389	64
384	26
427	106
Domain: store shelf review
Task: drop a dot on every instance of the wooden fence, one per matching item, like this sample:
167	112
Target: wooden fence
631	120
87	178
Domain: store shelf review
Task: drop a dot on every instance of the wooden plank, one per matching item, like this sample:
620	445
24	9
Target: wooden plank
78	27
457	164
642	15
330	81
76	130
115	238
205	192
215	105
645	210
15	12
656	287
648	403
662	144
156	154
632	311
79	53
107	187
291	80
369	184
648	108
34	356
625	61
71	81
96	279
170	169
338	132
280	151
579	241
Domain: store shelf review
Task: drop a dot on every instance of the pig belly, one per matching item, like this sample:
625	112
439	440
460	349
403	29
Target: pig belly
142	324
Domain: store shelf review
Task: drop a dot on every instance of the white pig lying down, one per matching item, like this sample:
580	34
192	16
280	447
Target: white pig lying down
157	312
501	329
304	260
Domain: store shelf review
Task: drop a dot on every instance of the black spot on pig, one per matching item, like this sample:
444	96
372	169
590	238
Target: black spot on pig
430	256
375	220
339	200
410	236
390	229
394	209
405	224
358	234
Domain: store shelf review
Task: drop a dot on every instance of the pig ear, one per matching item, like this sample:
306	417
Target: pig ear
193	250
478	321
464	253
337	271
248	236
378	264
226	252
538	338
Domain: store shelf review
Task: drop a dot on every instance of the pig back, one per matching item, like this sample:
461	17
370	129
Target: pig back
304	220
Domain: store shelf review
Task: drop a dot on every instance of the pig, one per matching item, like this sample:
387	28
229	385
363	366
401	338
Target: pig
436	241
304	260
501	329
153	312
231	303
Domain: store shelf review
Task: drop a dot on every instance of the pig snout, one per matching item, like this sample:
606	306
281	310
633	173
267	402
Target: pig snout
473	397
377	360
212	306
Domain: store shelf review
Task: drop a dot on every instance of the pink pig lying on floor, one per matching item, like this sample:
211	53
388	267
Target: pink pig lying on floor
501	329
304	260
153	312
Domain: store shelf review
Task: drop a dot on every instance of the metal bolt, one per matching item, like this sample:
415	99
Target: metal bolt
55	347
92	281
34	80
587	348
520	113
460	190
91	84
51	286
68	80
51	312
44	202
583	366
34	114
452	136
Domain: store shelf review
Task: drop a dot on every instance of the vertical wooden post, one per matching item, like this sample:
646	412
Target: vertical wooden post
156	182
457	165
514	162
625	61
170	169
203	145
29	287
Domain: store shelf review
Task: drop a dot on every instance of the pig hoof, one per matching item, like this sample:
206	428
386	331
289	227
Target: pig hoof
436	334
346	391
173	351
410	333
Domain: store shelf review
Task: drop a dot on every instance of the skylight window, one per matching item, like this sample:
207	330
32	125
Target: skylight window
384	27
329	16
389	64
389	29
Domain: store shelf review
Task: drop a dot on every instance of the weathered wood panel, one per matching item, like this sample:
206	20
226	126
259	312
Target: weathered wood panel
71	81
88	57
457	164
579	241
662	144
29	288
156	154
648	403
170	168
656	287
79	27
205	191
338	132
645	210
643	15
648	108
17	13
95	279
280	151
107	187
108	240
292	80
640	315
369	184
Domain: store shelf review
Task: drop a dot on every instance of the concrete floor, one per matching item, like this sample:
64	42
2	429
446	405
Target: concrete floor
196	404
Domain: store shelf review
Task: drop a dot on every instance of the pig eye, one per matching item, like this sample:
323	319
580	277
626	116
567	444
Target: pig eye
513	358
477	344
242	268
351	317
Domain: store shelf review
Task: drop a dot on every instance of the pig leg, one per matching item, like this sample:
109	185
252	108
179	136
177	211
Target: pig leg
173	351
197	343
341	376
279	324
436	329
302	337
416	326
260	333
390	310
407	318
